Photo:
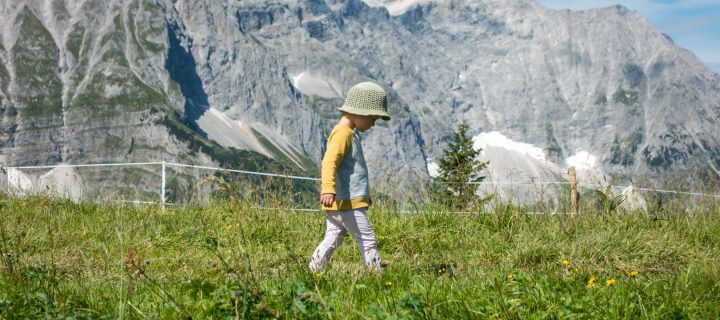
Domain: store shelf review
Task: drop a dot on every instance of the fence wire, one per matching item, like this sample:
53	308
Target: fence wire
171	183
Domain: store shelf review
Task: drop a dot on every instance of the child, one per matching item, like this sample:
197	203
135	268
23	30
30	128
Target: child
345	191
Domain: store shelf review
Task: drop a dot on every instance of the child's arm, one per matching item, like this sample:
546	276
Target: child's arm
337	146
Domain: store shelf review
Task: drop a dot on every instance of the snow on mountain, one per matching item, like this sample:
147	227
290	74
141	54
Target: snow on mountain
62	181
514	162
237	134
312	85
230	133
395	7
582	160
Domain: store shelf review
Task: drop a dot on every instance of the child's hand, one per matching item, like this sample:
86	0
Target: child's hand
327	199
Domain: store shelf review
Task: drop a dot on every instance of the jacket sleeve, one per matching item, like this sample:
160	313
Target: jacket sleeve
338	145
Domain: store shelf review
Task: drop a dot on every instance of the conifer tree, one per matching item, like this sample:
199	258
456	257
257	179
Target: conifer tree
459	166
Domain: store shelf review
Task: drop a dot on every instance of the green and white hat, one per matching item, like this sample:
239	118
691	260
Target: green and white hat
366	99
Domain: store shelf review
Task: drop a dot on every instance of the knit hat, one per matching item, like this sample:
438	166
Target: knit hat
366	99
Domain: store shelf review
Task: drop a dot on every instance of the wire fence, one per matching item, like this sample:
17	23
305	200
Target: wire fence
173	184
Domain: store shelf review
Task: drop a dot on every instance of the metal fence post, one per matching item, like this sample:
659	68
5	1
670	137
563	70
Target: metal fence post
162	188
573	190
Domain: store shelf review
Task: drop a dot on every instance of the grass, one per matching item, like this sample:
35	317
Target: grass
36	60
4	78
228	260
133	95
74	42
147	26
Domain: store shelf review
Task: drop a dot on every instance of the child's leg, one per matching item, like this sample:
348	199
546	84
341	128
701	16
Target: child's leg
357	223
334	233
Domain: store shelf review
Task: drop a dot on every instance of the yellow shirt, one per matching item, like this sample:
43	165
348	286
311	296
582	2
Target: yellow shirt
338	145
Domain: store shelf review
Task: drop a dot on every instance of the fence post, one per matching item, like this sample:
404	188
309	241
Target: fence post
573	190
7	177
162	188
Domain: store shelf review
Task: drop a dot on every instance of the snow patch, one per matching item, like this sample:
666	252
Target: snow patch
399	7
19	180
497	139
589	172
433	168
497	142
230	133
582	160
396	7
522	171
312	85
242	135
516	170
62	181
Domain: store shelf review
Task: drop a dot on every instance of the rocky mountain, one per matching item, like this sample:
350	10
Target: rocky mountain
251	81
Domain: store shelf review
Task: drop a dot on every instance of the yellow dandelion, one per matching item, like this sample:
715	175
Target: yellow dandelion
609	282
388	284
591	281
565	262
509	277
229	226
633	274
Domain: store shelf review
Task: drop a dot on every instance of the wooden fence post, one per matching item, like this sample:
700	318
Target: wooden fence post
573	190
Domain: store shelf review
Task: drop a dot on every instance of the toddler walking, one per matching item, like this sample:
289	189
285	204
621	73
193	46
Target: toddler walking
345	194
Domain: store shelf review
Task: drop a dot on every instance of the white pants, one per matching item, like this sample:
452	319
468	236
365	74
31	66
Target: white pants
338	224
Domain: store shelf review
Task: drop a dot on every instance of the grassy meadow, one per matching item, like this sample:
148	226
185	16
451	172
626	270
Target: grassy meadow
227	261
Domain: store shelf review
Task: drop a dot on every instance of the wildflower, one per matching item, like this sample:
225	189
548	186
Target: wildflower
591	281
388	284
609	282
317	274
229	226
509	277
633	274
565	262
575	270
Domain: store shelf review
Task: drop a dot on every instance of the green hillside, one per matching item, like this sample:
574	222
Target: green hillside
228	260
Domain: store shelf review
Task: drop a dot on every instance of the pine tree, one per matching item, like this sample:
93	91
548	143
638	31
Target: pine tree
459	166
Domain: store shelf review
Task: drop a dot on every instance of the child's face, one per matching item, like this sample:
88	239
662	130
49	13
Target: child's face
363	123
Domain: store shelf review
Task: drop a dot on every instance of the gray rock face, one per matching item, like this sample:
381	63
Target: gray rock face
106	81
